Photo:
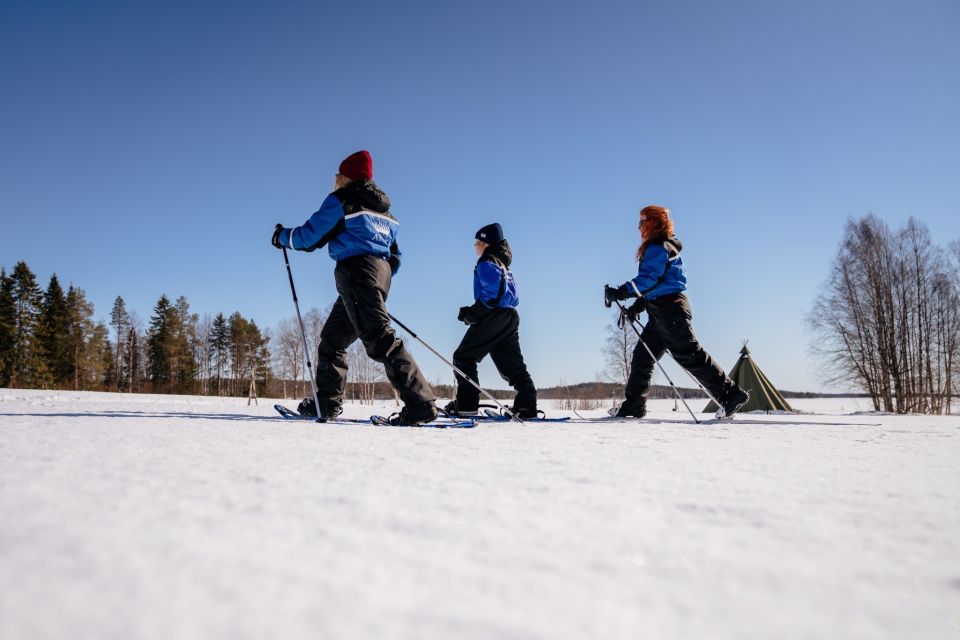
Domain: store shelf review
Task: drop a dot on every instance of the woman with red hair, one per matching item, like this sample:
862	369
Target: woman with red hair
659	289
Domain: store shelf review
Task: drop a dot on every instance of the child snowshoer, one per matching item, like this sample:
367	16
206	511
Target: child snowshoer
659	286
356	225
494	328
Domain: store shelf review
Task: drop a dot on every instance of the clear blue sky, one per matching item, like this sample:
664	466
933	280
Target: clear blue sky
150	147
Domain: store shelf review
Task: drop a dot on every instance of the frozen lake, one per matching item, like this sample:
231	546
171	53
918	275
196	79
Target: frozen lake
127	516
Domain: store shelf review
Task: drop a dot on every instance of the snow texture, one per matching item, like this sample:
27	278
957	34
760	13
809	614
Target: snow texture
128	516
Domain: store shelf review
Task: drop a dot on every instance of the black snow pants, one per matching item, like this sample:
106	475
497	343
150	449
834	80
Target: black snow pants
363	283
497	334
669	328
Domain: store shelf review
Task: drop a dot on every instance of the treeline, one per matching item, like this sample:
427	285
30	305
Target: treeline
888	318
50	340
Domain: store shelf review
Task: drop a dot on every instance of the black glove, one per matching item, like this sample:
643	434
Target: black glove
467	316
275	240
630	313
394	258
636	309
614	293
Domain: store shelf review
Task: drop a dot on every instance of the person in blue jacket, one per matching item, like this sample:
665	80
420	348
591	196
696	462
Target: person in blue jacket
355	224
493	328
659	289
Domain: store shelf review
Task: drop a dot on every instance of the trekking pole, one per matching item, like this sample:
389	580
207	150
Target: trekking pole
662	370
303	333
454	367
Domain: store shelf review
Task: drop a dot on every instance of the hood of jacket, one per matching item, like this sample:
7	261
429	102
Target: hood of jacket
364	194
498	252
672	245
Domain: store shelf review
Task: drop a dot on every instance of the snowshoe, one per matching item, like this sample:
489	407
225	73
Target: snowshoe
495	415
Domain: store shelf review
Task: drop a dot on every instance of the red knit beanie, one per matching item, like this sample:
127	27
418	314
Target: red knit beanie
358	166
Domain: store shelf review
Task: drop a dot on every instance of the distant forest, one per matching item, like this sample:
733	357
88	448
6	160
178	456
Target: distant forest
49	339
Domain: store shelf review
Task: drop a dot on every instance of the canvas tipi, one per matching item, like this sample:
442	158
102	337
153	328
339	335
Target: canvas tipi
763	395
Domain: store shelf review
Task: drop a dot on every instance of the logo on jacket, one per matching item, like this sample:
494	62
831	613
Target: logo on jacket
381	230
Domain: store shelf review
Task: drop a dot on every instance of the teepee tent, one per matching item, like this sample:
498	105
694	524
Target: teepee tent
763	395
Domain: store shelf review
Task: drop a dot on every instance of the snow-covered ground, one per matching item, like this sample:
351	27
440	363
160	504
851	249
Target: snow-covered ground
128	516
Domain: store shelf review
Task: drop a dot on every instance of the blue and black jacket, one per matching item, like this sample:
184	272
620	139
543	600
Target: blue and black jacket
493	283
661	270
353	220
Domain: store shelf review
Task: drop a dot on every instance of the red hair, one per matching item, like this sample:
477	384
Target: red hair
655	225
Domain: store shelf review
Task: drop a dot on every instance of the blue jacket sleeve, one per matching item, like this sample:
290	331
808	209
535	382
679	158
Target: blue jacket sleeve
488	282
313	233
651	269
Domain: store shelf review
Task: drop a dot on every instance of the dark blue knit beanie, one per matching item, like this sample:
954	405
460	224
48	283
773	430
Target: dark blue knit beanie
490	233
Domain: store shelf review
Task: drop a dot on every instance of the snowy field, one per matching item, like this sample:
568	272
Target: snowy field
128	516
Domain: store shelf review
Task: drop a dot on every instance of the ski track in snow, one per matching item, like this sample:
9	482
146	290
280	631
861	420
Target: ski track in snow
127	516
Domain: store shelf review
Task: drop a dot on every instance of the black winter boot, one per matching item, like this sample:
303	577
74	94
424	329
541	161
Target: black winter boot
415	414
630	409
525	405
307	408
329	411
525	413
454	408
733	401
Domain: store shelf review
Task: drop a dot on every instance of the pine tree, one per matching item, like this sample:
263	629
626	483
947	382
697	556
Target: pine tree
79	331
134	363
53	333
261	355
239	351
8	322
248	353
183	347
28	367
98	362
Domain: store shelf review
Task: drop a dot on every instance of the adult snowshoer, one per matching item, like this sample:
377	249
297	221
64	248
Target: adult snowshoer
356	225
659	289
493	328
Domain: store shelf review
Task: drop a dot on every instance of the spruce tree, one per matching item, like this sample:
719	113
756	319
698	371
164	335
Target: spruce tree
8	323
54	333
120	321
159	339
219	349
29	368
